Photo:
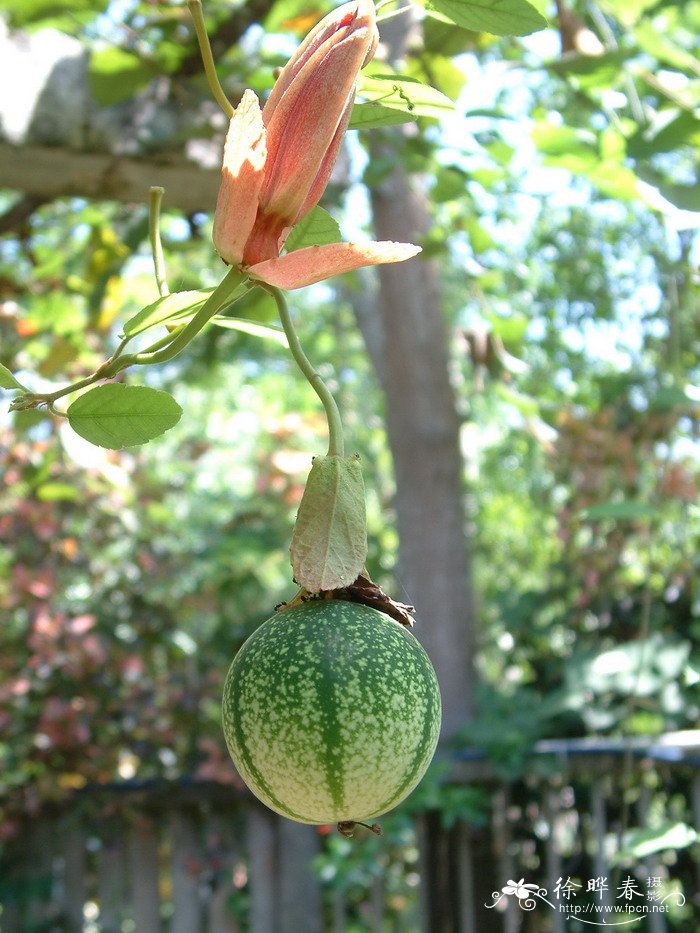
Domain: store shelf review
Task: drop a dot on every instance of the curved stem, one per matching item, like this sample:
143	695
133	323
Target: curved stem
215	302
155	196
195	7
336	445
159	352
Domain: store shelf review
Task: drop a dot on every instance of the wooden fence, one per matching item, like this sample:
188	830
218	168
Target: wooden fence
205	858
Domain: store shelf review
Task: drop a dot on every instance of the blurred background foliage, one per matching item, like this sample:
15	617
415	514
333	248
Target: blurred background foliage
564	199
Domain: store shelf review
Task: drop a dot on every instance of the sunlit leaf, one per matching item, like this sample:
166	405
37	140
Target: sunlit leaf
372	115
318	228
499	17
253	328
176	305
439	72
640	843
8	381
401	92
553	139
626	510
682	130
628	11
118	415
56	492
115	75
24	12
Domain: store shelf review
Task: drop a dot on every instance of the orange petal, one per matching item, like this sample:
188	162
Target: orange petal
315	263
243	173
337	24
303	125
314	193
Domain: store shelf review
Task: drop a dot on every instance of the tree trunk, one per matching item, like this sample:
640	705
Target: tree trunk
423	429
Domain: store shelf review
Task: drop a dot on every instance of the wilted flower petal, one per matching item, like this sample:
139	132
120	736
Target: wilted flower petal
243	174
315	263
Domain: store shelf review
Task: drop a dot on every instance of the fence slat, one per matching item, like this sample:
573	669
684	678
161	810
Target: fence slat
299	890
551	801
37	892
185	867
600	830
74	878
657	923
502	840
223	848
111	879
261	873
144	872
338	912
695	809
467	889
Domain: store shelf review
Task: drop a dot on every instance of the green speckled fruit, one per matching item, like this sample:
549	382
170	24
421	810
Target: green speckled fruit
331	712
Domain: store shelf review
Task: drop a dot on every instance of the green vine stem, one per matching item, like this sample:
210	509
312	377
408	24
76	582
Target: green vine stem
336	445
220	297
155	196
159	352
197	14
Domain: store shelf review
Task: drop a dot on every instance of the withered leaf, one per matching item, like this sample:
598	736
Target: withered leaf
329	544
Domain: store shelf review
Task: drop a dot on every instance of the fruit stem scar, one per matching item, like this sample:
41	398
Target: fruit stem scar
347	828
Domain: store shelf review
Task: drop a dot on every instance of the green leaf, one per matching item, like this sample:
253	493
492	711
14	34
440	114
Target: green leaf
511	329
404	94
115	75
318	228
499	17
8	381
628	12
525	404
56	492
450	183
670	397
329	544
442	36
613	180
685	197
640	843
439	72
118	415
554	140
171	306
370	116
682	130
253	328
23	12
626	510
479	237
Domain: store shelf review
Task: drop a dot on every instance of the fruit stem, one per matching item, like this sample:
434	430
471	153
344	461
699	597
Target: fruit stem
336	445
347	828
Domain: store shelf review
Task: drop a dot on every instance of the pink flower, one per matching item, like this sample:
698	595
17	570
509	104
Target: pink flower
277	161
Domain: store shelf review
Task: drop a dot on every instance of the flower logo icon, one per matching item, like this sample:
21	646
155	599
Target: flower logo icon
521	890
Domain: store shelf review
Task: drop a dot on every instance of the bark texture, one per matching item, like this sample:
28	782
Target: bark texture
423	430
410	351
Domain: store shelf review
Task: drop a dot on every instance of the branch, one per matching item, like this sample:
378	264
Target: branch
14	219
44	173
